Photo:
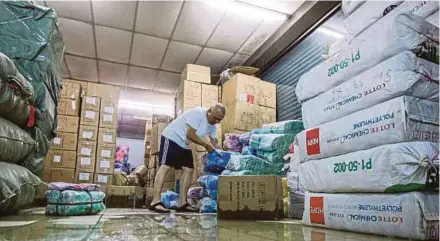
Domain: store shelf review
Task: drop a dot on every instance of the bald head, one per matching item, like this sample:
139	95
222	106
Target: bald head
216	113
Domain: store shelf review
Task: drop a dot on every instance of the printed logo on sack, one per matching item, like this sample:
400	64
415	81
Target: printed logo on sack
312	139
317	210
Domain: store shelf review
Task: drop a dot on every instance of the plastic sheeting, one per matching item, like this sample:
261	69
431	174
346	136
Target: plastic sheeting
232	142
412	215
288	127
15	143
254	164
71	202
35	161
403	32
216	161
271	142
208	181
397	120
400	167
402	74
208	205
169	199
276	156
18	187
195	192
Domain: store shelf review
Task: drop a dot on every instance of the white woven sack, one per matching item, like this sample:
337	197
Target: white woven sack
349	6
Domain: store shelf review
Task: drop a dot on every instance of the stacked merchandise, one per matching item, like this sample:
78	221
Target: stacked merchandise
369	155
209	184
31	55
122	163
296	190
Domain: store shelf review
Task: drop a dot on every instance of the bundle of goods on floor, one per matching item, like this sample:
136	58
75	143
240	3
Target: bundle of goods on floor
369	154
31	57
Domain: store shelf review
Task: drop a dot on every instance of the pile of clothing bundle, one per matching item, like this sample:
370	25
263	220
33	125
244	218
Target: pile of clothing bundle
31	57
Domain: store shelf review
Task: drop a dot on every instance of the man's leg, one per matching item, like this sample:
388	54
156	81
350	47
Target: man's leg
158	183
185	181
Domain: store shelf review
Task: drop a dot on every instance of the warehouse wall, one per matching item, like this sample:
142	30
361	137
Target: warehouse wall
136	154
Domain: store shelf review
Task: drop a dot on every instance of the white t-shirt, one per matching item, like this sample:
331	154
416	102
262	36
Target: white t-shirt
177	130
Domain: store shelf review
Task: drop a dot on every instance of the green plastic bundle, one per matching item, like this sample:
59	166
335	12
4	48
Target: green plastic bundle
287	127
15	143
35	161
254	164
271	142
71	203
276	156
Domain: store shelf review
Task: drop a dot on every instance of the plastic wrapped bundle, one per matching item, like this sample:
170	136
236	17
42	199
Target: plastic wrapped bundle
271	142
287	127
18	187
232	142
61	186
208	181
245	137
296	206
15	143
169	199
237	173
254	164
211	193
276	156
35	161
248	150
72	202
216	161
195	192
208	205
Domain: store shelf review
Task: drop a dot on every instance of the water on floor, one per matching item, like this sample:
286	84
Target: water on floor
140	224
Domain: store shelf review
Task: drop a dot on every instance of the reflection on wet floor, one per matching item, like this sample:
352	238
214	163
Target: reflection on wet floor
140	224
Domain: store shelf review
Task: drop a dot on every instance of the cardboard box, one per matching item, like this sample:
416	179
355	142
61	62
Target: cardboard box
60	159
105	165
89	117
188	96
83	177
107	136
68	124
267	115
241	87
86	148
68	107
108	120
91	103
102	179
125	191
85	163
197	73
109	106
267	94
103	91
105	150
88	133
240	116
71	90
61	174
156	133
64	141
210	95
83	86
45	177
250	197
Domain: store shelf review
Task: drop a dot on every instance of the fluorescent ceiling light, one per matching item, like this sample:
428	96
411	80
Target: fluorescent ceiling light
247	10
156	109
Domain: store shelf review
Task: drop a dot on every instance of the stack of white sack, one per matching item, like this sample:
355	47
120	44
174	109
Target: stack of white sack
402	74
349	6
386	38
296	190
434	19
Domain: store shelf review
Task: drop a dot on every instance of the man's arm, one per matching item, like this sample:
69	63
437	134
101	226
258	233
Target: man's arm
192	136
214	142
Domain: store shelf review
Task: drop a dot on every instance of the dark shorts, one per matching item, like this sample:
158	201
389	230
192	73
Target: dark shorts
173	155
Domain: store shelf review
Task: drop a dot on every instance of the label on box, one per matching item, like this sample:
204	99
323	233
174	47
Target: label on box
84	176
56	158
104	164
108	138
86	151
102	179
91	100
57	140
87	134
90	114
108	118
105	153
109	109
85	161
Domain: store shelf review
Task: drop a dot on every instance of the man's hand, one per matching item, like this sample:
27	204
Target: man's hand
209	147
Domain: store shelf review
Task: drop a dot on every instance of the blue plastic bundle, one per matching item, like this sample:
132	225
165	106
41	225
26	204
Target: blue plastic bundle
244	138
208	181
216	161
211	193
208	205
169	199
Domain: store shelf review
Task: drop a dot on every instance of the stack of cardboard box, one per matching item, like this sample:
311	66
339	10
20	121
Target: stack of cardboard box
250	101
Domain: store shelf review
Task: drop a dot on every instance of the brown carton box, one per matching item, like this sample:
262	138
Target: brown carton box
197	73
102	179
108	120
210	95
105	165
46	174
83	90
60	159
89	117
267	115
107	136
125	191
103	91
91	103
267	94
83	177
85	163
156	133
64	141
86	148
188	96
241	87
62	175
106	150
68	124
240	116
68	107
109	106
88	133
71	90
250	197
